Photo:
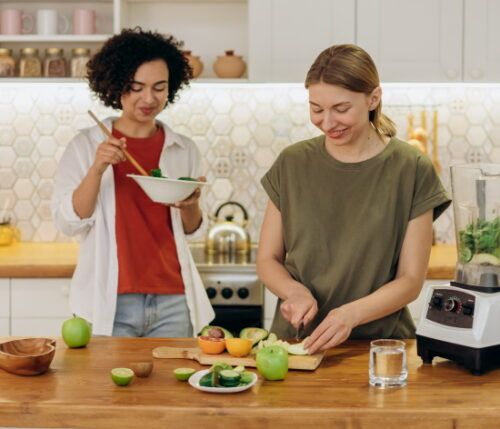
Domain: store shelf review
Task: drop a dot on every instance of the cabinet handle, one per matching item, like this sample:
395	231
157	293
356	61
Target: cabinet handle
451	74
476	73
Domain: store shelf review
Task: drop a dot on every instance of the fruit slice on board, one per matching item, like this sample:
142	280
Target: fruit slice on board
254	334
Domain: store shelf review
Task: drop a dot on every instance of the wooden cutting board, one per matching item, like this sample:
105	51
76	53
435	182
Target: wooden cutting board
309	362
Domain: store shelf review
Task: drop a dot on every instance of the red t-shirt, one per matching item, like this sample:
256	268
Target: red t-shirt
147	256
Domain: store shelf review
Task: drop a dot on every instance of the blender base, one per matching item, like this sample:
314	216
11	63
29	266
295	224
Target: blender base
476	360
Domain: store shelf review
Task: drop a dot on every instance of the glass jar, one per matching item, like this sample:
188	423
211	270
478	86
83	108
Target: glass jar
29	63
7	63
8	233
79	60
54	64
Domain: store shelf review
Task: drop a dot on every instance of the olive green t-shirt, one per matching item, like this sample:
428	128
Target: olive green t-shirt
344	224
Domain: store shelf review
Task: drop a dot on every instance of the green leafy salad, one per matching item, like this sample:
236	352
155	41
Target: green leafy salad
480	242
156	172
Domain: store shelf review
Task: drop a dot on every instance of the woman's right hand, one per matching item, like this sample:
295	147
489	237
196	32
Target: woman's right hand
299	308
108	153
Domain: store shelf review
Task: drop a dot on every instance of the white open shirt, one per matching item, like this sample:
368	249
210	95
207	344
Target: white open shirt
94	285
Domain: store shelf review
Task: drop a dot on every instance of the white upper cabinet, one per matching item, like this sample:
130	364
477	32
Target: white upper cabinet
208	28
481	42
415	41
285	36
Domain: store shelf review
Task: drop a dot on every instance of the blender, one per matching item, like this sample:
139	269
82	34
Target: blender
461	322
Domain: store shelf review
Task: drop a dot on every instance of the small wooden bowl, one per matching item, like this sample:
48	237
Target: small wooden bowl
29	356
142	369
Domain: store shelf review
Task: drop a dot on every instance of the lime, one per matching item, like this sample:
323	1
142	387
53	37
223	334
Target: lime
183	374
122	376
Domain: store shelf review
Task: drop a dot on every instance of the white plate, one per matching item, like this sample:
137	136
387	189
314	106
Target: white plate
194	381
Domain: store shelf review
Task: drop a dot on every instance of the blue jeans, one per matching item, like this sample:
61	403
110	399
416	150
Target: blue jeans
141	315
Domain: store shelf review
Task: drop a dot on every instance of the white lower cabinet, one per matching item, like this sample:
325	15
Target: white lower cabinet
4	327
4	307
39	306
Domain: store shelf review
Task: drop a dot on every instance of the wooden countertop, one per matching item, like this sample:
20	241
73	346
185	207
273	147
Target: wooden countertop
59	260
77	392
38	260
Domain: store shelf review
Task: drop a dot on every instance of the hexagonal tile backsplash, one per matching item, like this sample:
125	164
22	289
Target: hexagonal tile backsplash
240	129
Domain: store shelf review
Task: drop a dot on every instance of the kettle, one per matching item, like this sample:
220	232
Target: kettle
228	236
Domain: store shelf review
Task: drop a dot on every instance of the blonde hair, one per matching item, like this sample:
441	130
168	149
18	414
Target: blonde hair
352	68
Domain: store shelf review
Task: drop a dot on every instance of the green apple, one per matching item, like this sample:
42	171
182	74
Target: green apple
272	362
76	332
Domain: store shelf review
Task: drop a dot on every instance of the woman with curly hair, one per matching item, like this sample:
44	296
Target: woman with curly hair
135	274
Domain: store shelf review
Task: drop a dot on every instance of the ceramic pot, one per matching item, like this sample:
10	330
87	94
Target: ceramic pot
194	62
229	66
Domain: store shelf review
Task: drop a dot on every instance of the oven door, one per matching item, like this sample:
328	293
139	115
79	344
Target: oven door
236	317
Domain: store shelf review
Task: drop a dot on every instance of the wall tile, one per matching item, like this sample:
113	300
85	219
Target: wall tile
240	130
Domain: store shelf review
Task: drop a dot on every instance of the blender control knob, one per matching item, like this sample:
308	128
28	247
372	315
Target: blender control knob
451	305
243	292
437	302
211	292
468	309
227	293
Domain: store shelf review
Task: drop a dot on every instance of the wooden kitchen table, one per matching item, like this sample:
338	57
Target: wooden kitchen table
77	392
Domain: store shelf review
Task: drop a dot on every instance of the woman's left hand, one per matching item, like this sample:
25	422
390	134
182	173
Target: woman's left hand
332	331
192	200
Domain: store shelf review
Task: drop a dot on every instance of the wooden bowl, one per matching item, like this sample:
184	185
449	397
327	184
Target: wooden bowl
29	356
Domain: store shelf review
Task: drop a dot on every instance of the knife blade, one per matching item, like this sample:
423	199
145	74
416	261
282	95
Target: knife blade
297	332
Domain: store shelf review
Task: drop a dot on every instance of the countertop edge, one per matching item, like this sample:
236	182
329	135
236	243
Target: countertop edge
23	261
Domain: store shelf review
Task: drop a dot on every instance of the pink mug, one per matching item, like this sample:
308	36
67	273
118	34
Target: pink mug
14	21
84	21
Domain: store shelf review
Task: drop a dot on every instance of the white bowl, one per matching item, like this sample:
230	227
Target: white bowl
166	191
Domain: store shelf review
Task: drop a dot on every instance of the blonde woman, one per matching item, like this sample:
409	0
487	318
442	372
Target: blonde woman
347	232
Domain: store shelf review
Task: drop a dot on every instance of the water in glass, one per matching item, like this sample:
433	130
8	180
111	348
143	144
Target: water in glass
388	363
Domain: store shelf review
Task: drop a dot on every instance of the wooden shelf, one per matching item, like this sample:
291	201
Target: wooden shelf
44	80
70	38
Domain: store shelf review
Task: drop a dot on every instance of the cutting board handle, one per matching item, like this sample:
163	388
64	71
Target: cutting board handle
166	352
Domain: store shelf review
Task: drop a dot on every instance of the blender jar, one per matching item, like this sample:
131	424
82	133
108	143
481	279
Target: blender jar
476	204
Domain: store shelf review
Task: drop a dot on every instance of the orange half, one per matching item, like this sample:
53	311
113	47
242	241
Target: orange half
210	345
238	347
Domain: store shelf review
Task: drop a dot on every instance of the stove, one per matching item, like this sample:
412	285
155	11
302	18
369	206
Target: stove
234	289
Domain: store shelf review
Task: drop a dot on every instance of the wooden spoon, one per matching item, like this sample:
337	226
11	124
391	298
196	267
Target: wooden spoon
125	151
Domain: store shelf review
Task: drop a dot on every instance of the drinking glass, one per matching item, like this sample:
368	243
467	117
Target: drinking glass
387	363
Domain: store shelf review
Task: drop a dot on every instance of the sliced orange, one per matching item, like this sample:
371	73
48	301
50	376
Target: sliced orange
211	346
238	347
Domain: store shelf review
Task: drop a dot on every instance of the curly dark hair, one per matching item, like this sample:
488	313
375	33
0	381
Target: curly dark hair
113	67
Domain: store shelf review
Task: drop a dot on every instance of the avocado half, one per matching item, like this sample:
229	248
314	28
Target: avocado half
254	334
206	331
